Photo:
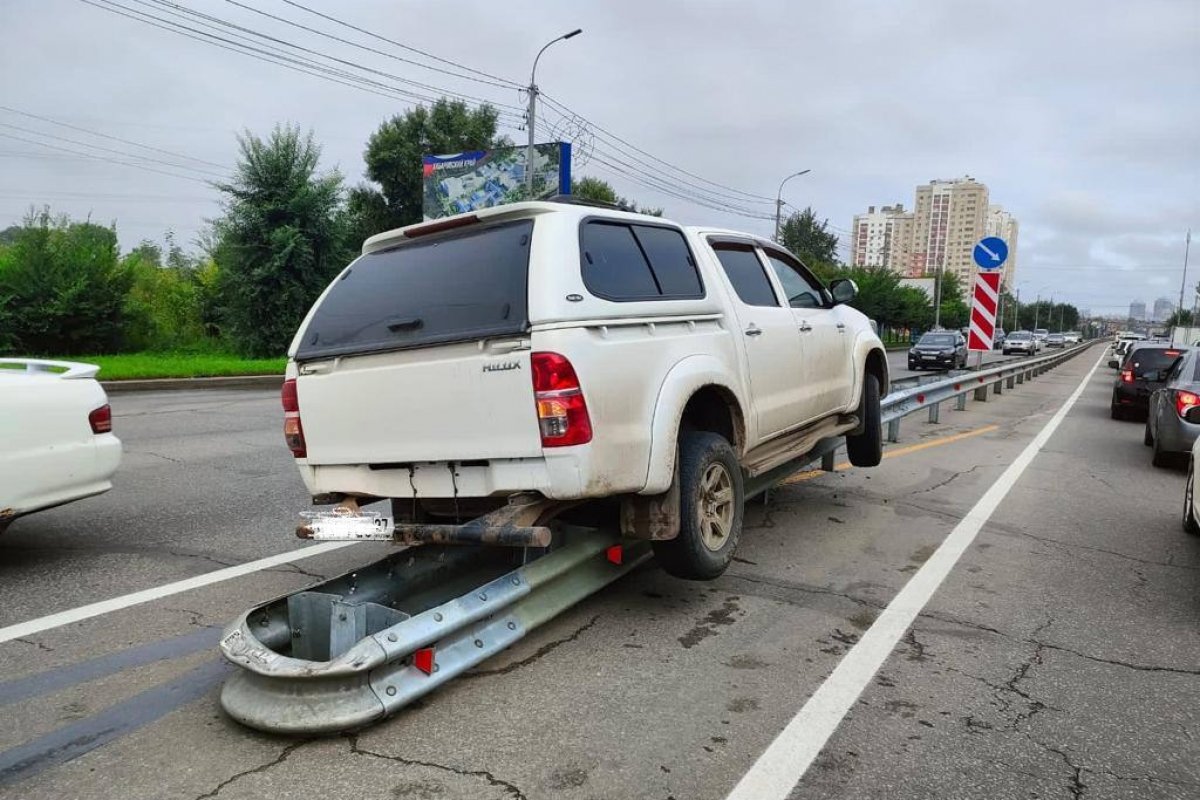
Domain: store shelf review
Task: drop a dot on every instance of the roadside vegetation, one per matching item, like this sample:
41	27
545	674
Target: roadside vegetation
230	305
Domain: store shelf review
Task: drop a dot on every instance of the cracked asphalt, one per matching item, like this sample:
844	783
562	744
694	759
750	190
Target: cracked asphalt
1061	657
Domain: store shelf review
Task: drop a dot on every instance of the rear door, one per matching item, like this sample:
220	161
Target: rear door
770	340
421	353
828	374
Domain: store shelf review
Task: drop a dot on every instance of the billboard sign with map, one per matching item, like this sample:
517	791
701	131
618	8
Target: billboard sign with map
484	178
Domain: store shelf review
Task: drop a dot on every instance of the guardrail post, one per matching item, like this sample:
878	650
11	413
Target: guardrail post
1010	383
981	394
893	434
1020	377
933	411
827	462
998	387
960	402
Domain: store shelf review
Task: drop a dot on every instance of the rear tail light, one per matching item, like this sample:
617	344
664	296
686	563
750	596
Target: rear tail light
561	410
101	419
1127	375
1185	400
293	431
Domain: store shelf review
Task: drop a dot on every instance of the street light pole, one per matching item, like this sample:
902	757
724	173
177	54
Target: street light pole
779	199
531	122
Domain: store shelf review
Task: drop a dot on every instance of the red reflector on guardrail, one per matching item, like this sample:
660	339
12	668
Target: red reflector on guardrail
423	660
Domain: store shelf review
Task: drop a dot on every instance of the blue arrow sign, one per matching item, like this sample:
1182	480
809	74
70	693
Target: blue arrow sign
990	252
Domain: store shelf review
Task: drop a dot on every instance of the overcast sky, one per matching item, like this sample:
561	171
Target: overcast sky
1081	116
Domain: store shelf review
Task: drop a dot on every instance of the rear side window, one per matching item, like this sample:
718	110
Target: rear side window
746	274
460	287
637	262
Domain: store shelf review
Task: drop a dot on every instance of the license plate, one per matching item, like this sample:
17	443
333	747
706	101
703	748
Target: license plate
340	526
929	358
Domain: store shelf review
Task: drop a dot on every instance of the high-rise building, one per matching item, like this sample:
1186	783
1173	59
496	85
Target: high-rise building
1003	224
882	238
948	219
1137	311
940	233
1163	308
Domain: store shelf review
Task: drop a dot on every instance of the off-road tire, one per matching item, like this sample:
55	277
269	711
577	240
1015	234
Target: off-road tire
866	449
710	523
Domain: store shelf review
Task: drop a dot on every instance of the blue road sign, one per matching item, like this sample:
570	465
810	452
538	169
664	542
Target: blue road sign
990	252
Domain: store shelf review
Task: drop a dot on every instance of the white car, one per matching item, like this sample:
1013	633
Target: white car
56	440
567	353
1191	512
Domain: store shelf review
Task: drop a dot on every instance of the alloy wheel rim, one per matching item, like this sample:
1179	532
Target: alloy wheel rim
716	506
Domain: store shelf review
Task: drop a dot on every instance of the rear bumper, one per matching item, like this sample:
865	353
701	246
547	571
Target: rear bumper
1130	398
1176	435
564	475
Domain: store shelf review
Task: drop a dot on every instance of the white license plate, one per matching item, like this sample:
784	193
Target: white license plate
343	527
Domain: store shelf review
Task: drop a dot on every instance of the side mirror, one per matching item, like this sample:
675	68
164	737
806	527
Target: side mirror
843	290
1114	364
1192	415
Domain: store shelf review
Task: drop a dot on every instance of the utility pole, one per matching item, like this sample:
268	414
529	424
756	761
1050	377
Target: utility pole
531	122
779	199
1017	312
1037	308
937	298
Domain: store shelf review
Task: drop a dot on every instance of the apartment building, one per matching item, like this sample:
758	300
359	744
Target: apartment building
1003	224
1163	308
1137	311
882	238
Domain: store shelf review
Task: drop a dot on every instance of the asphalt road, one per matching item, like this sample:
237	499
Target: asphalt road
1059	658
898	364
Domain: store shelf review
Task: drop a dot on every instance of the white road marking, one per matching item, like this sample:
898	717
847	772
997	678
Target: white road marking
146	595
784	762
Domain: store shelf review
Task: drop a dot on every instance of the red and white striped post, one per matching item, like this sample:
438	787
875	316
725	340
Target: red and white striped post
984	305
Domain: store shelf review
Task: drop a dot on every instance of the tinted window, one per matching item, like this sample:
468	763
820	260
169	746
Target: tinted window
670	260
939	339
1151	359
746	274
801	292
450	288
637	262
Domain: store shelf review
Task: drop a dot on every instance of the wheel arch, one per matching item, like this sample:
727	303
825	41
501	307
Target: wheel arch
696	389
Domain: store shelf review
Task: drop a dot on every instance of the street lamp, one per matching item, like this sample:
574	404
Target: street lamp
531	122
779	198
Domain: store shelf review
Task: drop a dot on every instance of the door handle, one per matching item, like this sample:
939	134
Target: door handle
805	327
753	330
841	326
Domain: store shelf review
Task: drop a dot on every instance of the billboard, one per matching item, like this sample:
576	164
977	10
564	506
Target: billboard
477	179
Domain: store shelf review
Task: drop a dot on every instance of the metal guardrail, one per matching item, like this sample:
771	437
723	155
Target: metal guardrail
358	647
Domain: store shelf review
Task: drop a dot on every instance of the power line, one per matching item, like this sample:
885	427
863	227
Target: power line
566	110
151	159
504	81
500	82
111	138
105	159
266	54
178	10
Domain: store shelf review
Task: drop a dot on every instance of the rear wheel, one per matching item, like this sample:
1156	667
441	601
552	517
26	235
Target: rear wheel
1161	457
866	449
711	499
1190	524
1118	412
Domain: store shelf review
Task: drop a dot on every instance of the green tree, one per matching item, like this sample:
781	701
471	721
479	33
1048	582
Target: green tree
62	288
955	312
280	241
1181	317
393	158
600	191
812	241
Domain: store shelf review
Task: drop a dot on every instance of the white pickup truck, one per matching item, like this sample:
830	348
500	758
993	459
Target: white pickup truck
572	353
56	440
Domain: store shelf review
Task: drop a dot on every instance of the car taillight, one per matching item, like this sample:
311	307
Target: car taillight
561	410
1185	400
101	419
293	431
1127	375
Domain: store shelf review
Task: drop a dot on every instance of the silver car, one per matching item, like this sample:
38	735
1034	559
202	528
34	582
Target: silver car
1173	421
